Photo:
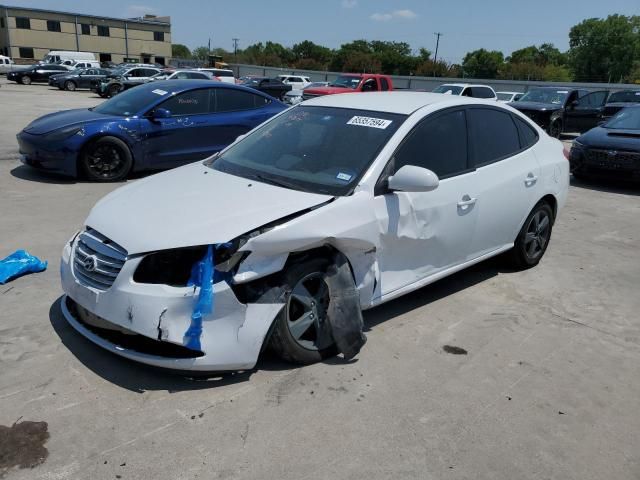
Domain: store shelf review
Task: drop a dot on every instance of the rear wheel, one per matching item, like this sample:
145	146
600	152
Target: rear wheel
534	237
69	85
302	333
108	159
26	80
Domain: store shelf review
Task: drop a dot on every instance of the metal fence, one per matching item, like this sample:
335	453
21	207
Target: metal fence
425	83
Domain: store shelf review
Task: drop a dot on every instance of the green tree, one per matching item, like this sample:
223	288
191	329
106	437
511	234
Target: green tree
201	53
482	63
308	53
180	51
603	50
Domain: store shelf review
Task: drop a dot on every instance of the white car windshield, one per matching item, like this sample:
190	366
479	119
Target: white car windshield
346	81
504	96
449	89
314	149
545	95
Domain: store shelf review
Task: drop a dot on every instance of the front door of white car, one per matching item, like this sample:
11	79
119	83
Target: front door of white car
423	233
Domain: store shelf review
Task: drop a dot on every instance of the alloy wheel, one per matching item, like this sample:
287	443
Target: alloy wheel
306	312
106	161
537	235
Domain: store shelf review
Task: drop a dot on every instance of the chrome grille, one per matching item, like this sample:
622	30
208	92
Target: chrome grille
97	260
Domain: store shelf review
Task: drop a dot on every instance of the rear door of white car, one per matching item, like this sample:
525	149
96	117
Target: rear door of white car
507	173
423	233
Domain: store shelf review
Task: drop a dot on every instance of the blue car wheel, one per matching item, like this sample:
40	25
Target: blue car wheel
108	159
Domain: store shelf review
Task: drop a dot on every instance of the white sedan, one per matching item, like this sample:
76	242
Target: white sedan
332	207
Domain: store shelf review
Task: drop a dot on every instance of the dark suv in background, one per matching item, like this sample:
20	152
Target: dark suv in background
563	109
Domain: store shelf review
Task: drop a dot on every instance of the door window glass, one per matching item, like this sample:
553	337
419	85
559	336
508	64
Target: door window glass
592	100
229	100
528	135
370	85
385	84
194	102
438	143
494	135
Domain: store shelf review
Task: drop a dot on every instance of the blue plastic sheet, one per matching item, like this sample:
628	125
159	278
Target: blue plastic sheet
19	263
203	275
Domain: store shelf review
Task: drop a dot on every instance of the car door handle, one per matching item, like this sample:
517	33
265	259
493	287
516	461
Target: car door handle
530	180
466	202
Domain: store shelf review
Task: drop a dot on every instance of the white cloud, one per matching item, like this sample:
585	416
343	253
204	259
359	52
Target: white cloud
139	10
349	3
401	14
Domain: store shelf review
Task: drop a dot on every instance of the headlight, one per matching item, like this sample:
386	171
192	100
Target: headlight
64	133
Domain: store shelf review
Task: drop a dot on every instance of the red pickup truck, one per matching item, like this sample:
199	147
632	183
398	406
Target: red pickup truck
350	83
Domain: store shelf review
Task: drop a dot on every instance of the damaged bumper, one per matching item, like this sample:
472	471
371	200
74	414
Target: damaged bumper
153	319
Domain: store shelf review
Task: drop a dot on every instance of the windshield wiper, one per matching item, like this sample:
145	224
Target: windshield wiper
278	183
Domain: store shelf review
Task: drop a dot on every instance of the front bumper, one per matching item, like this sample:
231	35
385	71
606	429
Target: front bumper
605	162
55	157
232	336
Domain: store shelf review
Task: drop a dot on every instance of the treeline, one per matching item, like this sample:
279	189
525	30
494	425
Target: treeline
601	50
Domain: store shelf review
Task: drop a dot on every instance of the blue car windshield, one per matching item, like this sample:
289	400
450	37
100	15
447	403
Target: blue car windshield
313	149
129	102
627	119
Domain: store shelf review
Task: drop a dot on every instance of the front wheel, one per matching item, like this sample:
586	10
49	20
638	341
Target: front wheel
534	237
108	159
302	333
26	80
114	90
70	86
555	129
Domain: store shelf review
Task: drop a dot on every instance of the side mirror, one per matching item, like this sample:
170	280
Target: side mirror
160	113
413	179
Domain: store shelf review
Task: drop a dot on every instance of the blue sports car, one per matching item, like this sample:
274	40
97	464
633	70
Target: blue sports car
154	126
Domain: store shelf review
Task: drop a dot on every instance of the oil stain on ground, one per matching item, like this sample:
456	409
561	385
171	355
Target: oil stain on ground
22	445
454	350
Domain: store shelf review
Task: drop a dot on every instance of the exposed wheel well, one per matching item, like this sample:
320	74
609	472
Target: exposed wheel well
552	202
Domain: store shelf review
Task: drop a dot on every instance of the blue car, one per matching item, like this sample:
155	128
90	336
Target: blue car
153	126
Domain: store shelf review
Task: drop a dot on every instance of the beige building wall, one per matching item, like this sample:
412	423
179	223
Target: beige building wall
139	40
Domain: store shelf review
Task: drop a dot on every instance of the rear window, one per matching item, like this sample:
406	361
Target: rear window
482	92
494	135
625	97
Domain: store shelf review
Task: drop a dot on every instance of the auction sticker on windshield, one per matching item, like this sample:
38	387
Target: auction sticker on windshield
370	122
159	92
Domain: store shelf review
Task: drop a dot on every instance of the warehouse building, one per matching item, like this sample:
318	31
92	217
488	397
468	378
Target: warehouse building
28	34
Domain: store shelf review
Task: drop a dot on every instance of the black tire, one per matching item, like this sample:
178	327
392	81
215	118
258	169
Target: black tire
555	129
26	80
282	341
69	86
534	237
113	90
107	159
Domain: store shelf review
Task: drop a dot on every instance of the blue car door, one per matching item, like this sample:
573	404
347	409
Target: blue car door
201	123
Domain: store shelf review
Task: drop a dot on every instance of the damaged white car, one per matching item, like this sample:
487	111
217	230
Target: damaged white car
332	207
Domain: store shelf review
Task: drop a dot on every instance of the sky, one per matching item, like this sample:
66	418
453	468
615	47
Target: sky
466	25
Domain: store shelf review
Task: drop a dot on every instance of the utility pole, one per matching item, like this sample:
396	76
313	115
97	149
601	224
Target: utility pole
435	57
235	49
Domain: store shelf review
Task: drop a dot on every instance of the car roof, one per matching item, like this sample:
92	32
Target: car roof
179	86
394	102
510	93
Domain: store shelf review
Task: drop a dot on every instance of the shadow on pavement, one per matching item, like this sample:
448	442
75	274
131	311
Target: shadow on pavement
607	185
24	172
140	378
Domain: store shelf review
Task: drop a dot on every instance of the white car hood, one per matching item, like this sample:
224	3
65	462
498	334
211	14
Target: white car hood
192	205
